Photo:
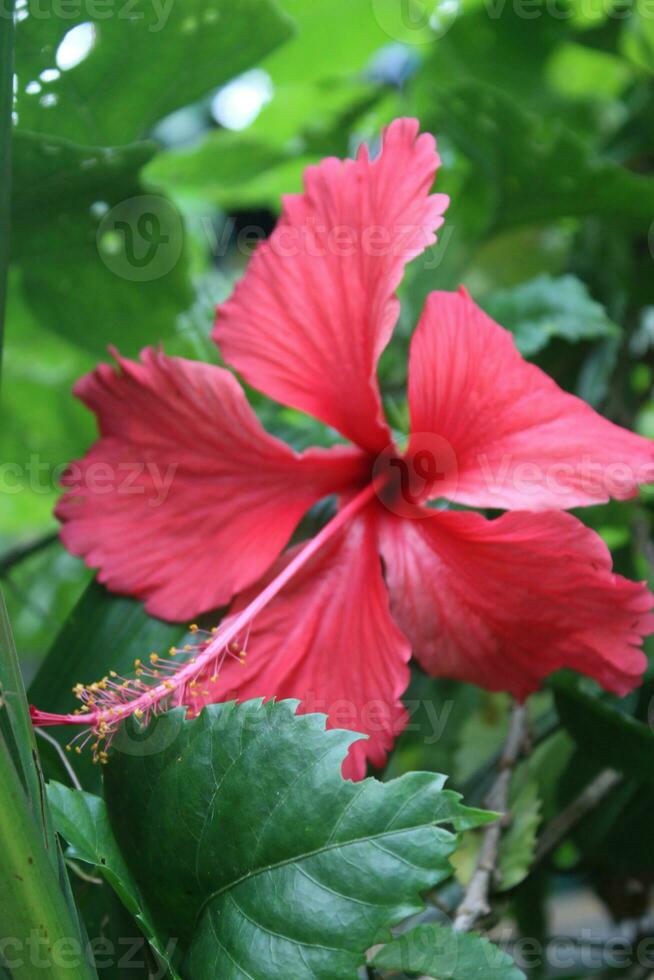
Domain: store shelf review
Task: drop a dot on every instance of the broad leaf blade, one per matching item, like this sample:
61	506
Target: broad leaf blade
440	952
250	845
140	66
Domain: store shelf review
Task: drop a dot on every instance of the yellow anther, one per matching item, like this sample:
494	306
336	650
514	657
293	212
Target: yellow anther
154	658
138	662
138	713
194	628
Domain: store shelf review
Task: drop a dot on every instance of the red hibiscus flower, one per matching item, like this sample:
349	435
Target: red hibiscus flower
209	500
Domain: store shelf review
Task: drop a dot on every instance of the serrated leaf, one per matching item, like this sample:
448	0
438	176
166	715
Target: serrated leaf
248	843
439	951
82	820
546	308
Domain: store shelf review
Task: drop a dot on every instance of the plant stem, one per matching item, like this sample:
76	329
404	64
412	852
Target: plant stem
476	901
6	105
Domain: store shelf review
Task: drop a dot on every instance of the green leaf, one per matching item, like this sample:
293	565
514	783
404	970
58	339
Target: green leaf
546	307
15	727
602	728
440	952
249	845
36	899
82	820
537	169
149	58
101	261
104	632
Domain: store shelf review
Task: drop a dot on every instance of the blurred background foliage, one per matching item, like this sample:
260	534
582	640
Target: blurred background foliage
545	120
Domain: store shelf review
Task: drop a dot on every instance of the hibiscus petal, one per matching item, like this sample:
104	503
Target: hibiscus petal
309	320
503	603
185	499
328	639
519	441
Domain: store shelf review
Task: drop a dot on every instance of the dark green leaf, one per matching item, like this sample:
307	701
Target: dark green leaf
248	843
603	729
82	820
440	952
36	899
538	169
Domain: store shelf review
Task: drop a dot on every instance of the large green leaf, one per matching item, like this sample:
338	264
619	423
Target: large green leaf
249	845
82	820
101	261
546	307
148	59
440	952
